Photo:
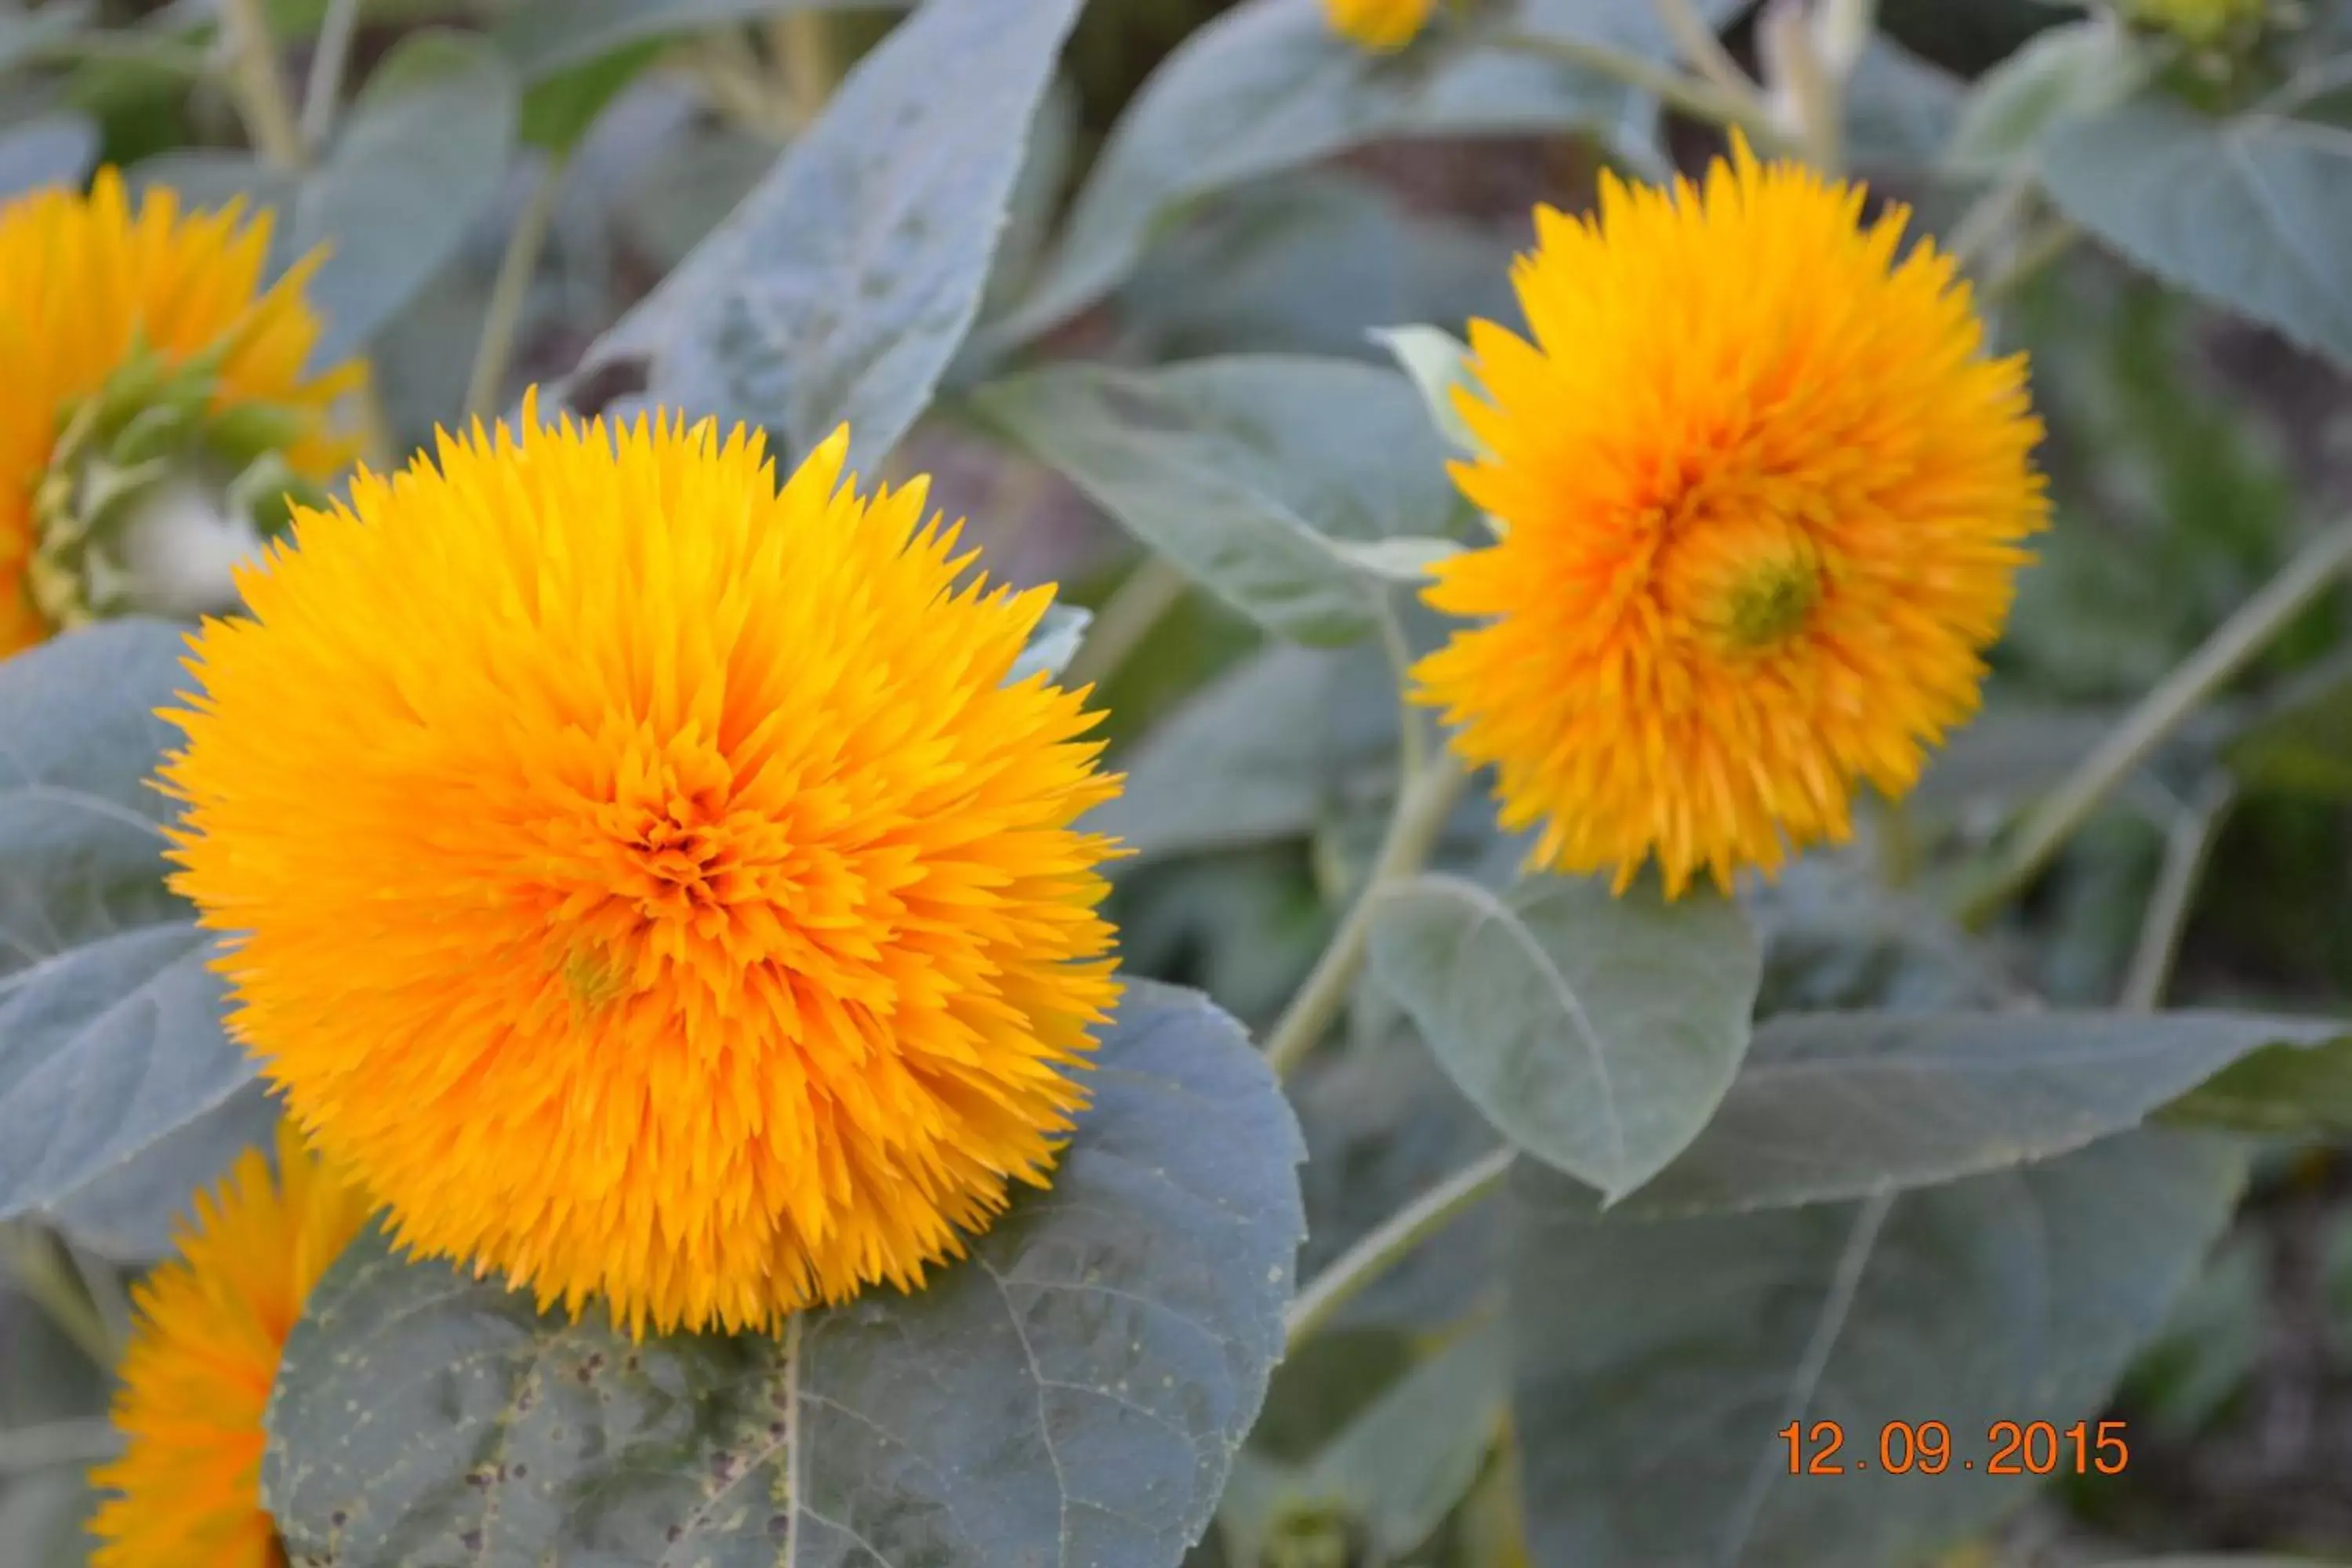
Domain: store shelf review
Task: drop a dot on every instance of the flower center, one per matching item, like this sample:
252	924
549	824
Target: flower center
1770	603
151	494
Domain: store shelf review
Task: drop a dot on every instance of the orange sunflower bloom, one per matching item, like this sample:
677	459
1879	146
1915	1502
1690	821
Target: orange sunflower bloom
1382	25
1760	496
203	1353
143	352
651	881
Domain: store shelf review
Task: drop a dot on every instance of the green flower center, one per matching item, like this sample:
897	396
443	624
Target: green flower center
149	435
1771	604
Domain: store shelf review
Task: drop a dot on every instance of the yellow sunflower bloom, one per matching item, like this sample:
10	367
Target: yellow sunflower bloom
1380	25
143	355
1760	496
196	1375
649	880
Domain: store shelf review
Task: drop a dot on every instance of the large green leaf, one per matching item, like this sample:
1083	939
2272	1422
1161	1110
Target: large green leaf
1261	753
1839	1105
1395	1469
2059	74
1259	475
1269	86
111	1034
1073	1390
842	286
131	1212
1598	1033
2254	213
422	152
546	38
1660	1360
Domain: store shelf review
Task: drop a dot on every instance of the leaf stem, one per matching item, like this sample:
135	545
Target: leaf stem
2187	847
2163	711
1424	800
1136	606
42	1274
511	292
1349	1273
54	1444
1694	96
1701	49
258	87
802	42
322	91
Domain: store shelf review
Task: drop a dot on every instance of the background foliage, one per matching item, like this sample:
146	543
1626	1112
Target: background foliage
1901	1137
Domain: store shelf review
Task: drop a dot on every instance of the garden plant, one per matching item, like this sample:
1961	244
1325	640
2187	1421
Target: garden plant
967	785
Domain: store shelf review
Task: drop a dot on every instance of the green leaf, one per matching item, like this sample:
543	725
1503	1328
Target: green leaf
1074	1390
2303	743
1400	1467
842	286
422	152
1052	646
2059	74
24	35
111	1035
216	176
129	1213
544	39
1899	109
1247	472
1268	86
1835	939
1598	1033
2254	214
1438	362
558	111
1839	1105
52	150
1659	1361
2293	1090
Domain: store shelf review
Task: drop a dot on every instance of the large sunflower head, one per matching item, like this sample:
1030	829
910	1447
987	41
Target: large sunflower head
1760	496
1381	26
155	403
656	884
196	1375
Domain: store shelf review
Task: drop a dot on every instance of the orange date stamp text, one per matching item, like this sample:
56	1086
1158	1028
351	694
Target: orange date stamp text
1924	1447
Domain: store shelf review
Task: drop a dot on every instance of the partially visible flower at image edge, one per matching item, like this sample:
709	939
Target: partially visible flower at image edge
650	880
146	360
1760	497
1383	26
2199	22
204	1351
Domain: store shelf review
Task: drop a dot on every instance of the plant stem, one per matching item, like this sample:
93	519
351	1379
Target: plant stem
42	1274
1365	1262
1694	97
2040	247
2163	711
53	1444
1701	49
803	44
1424	800
1136	606
2186	846
323	91
260	91
511	291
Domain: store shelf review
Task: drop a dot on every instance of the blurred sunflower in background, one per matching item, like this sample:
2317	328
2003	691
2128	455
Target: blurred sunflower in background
1378	25
204	1351
157	411
1761	498
658	885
